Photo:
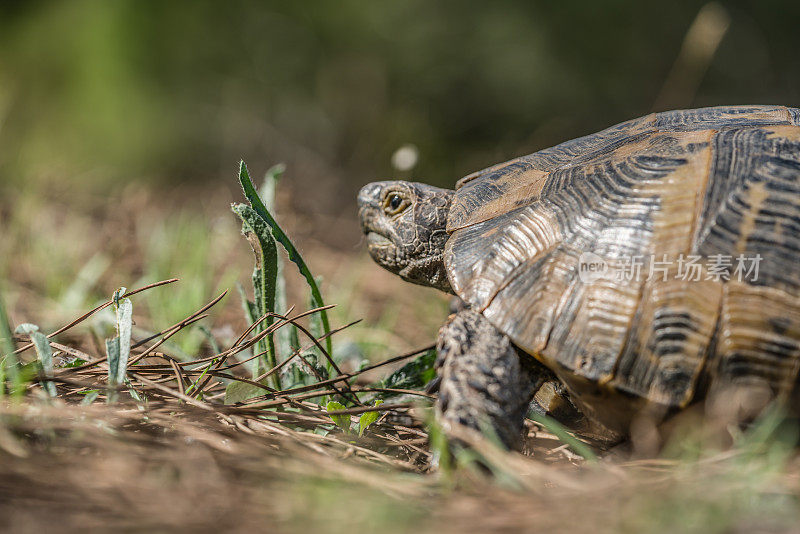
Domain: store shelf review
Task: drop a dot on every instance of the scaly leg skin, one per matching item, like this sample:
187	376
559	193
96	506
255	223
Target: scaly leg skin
485	384
550	399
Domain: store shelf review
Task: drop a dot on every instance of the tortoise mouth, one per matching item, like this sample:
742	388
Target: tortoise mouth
378	240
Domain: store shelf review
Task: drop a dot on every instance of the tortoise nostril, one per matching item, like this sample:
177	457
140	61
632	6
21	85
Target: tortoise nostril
363	195
370	194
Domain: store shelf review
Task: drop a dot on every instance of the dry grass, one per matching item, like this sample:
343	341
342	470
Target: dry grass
179	459
172	467
168	467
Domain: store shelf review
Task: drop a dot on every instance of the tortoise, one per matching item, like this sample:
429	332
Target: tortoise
542	250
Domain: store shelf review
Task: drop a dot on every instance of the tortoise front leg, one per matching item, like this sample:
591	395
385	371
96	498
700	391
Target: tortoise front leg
484	384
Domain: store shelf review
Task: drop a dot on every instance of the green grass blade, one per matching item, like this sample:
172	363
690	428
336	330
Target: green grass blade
112	353
265	276
43	351
251	316
439	444
90	397
203	375
6	338
269	187
76	295
248	306
258	205
315	320
561	432
212	341
9	365
288	339
316	330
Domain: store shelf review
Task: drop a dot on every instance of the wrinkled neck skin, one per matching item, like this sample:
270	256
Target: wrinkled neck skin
409	243
427	272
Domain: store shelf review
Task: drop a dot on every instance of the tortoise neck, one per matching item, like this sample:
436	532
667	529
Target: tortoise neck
428	271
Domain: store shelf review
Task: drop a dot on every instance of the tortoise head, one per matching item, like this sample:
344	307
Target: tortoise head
405	224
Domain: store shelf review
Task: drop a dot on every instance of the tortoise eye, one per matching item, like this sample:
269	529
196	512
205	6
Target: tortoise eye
394	203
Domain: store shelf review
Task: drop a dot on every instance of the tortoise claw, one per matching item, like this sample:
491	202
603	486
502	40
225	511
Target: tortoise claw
433	385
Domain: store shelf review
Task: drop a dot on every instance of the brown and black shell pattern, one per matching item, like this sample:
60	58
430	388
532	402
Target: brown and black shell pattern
714	182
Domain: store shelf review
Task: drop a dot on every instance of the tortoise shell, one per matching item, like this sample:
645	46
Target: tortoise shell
711	184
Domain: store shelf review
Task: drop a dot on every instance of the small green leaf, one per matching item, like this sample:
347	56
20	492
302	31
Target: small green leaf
367	418
241	391
43	351
341	420
413	375
118	349
124	331
74	362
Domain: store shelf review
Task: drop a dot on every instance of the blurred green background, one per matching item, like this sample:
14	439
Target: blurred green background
122	123
100	92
